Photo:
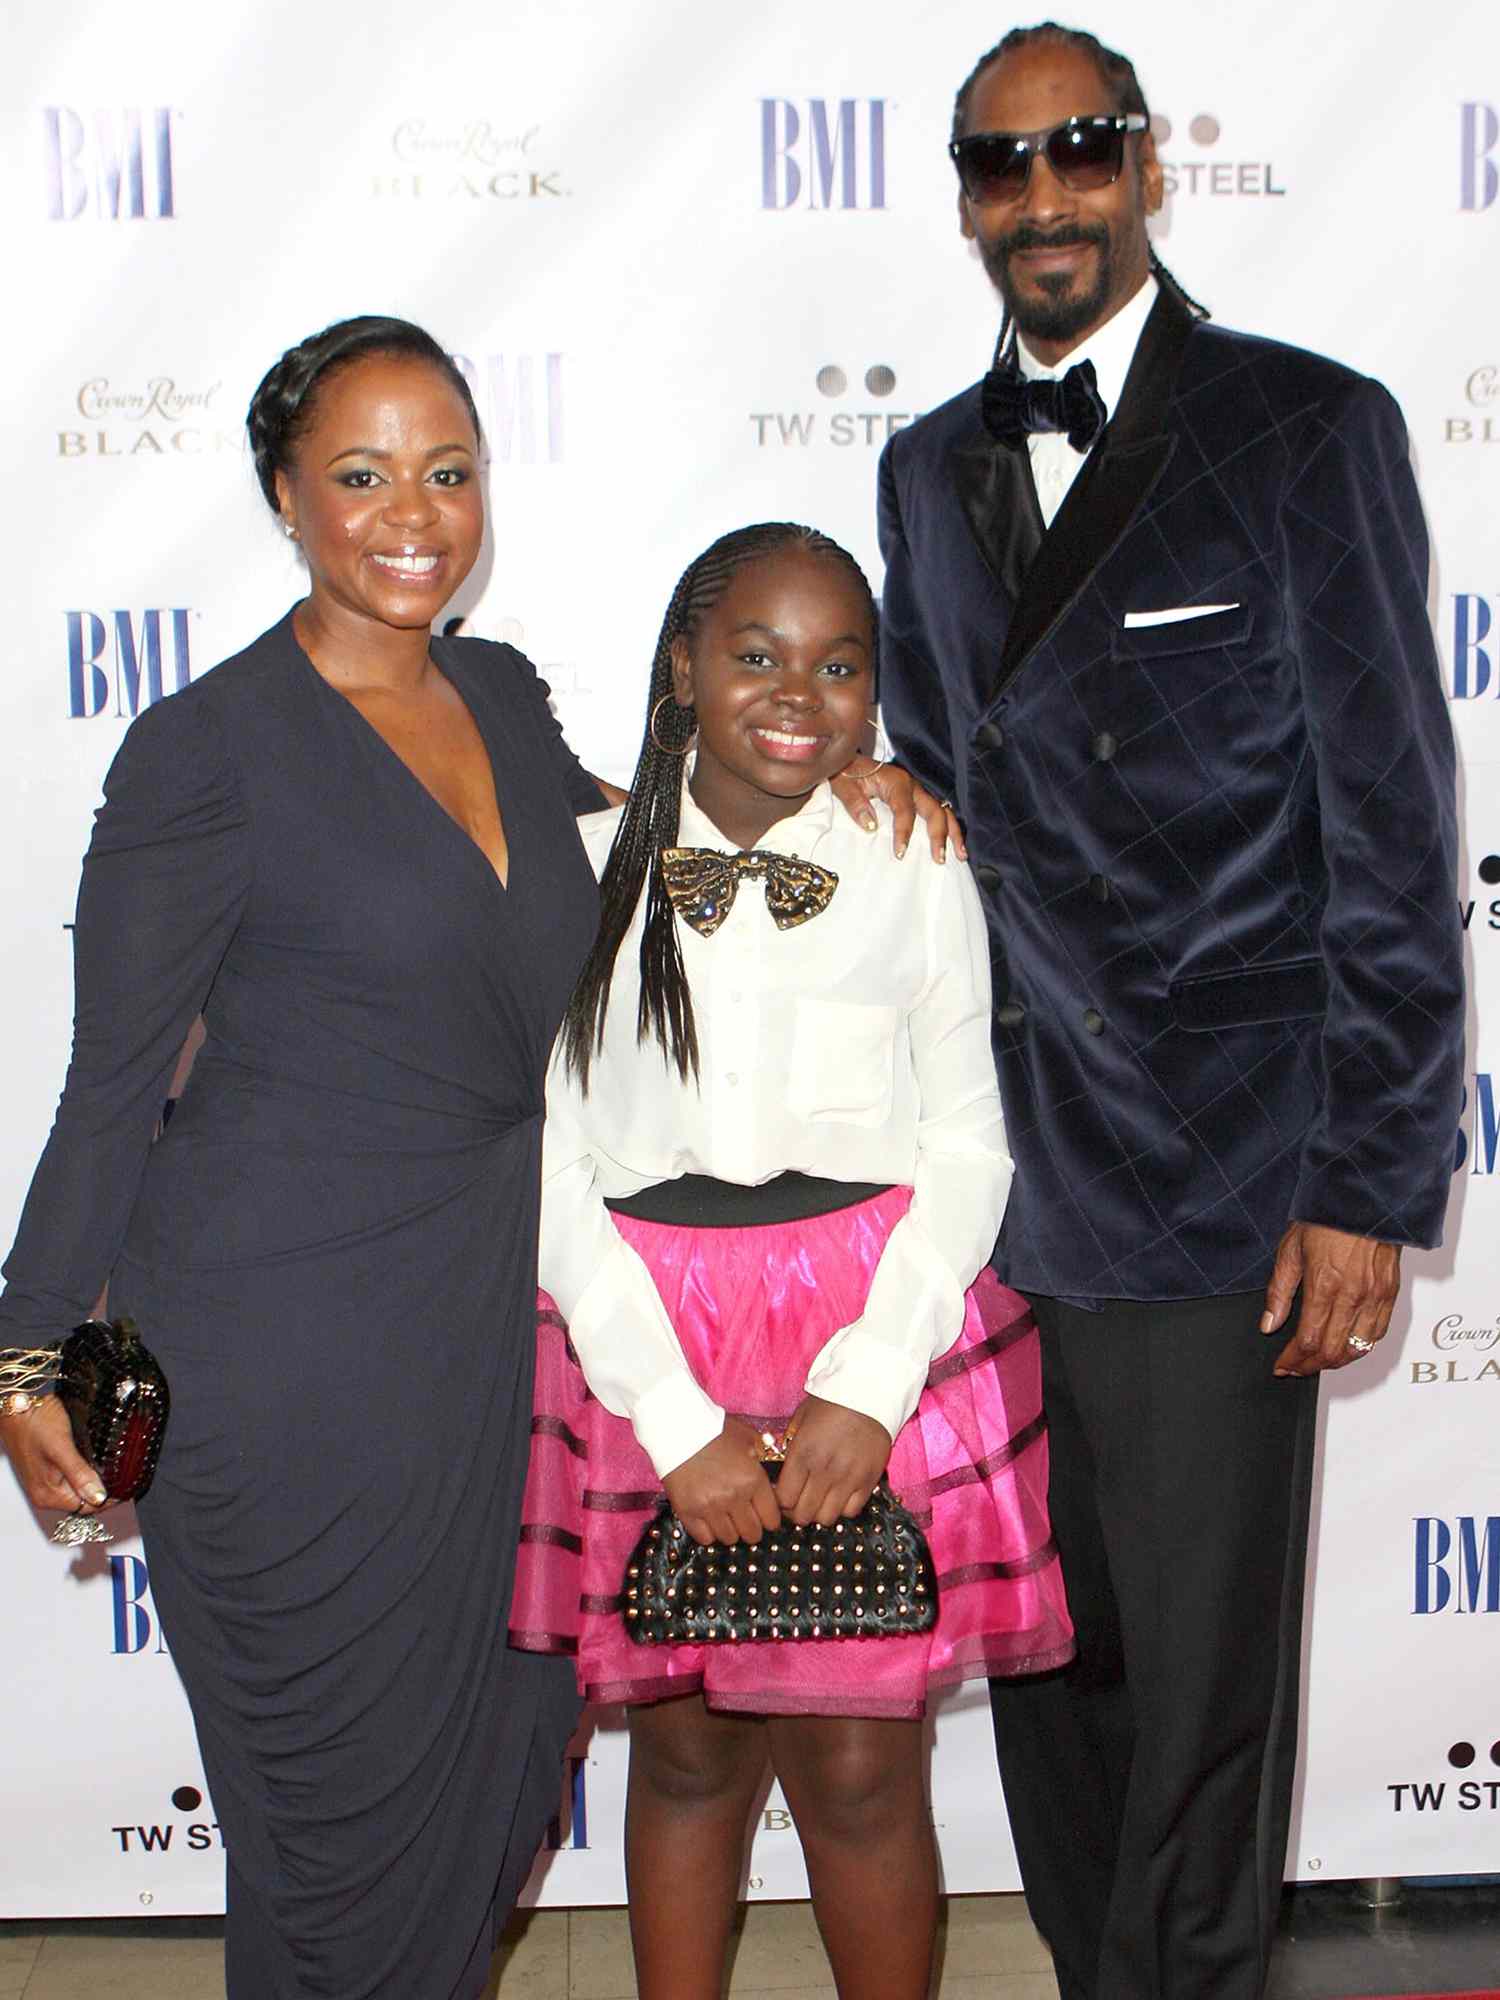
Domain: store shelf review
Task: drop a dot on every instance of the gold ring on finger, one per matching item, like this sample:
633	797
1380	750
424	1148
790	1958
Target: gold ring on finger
1357	1344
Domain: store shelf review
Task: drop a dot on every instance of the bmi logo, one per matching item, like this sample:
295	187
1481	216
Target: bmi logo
1473	646
1479	176
1478	1145
520	399
1210	176
133	1616
822	152
841	426
569	1826
120	662
113	165
1457	1564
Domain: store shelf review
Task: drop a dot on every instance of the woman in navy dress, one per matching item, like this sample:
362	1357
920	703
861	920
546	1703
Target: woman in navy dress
352	849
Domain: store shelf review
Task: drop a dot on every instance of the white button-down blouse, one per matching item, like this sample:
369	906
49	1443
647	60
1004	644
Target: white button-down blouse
856	1047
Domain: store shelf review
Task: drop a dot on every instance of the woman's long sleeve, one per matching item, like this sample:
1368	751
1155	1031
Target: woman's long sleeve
164	886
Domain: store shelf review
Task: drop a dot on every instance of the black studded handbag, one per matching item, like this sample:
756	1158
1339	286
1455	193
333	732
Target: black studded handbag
869	1578
115	1394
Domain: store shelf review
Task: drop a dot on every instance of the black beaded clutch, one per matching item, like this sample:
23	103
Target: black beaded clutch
115	1394
869	1578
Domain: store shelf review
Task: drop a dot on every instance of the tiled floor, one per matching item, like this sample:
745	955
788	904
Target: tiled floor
989	1952
1438	1939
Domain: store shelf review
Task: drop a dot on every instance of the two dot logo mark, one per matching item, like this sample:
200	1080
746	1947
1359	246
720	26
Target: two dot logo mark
879	380
1462	1755
870	422
1204	130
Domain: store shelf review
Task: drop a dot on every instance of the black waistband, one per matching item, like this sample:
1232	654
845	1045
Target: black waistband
698	1201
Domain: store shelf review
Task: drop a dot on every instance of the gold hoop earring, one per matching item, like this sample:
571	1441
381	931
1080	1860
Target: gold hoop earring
668	749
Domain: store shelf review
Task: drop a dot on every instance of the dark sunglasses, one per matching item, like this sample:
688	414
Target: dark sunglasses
1084	153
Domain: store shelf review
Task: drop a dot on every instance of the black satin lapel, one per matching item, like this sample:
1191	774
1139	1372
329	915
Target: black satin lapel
996	491
1100	506
1108	492
1152	374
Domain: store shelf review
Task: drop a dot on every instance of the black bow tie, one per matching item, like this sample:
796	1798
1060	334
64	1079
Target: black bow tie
1015	406
702	883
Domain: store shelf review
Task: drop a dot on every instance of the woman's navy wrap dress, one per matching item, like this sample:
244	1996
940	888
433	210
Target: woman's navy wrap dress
332	1249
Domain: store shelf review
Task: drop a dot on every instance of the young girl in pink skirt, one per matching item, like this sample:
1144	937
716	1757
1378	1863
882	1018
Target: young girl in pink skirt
774	1171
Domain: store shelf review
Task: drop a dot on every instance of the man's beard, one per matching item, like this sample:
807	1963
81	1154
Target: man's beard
1056	314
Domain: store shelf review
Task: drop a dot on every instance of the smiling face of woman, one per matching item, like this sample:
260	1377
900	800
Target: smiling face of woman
780	672
384	495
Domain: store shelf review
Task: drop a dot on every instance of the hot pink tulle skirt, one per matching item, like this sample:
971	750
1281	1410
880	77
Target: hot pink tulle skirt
752	1307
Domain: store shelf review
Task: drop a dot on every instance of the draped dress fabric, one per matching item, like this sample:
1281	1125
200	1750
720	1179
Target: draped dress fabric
332	1249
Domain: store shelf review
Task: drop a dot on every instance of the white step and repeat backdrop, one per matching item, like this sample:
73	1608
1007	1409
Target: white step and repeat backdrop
699	263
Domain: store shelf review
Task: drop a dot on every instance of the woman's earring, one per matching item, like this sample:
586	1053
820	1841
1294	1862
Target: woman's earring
669	749
291	532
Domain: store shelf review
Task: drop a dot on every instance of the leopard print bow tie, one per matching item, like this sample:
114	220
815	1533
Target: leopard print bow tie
702	884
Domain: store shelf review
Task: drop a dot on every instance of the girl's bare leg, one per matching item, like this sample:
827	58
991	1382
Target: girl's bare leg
858	1793
694	1776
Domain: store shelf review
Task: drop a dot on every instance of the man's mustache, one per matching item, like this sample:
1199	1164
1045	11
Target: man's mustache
1028	237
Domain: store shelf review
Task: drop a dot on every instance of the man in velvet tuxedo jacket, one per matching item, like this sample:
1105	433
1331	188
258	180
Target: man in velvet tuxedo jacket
1179	680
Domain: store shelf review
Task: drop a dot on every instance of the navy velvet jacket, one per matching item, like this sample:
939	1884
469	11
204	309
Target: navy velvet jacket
1218	854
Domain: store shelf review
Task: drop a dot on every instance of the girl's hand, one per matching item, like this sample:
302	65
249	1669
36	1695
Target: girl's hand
39	1443
863	779
832	1463
722	1494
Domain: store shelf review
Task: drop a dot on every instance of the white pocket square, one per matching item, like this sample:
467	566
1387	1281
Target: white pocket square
1135	619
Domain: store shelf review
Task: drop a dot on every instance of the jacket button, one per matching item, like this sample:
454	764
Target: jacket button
1011	1015
1093	1020
988	876
1099	888
1105	746
991	737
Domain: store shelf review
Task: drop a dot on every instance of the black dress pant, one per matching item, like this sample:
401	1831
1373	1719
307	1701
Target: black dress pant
1149	1783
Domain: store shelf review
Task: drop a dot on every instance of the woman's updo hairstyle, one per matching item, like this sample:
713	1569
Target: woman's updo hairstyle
282	407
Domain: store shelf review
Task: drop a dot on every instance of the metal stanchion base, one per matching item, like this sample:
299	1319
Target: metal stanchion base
1378	1892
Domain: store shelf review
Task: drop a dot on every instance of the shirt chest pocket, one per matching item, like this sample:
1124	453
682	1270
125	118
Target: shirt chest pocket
843	1061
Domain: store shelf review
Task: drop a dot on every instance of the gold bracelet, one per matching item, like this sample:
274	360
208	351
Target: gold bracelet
26	1369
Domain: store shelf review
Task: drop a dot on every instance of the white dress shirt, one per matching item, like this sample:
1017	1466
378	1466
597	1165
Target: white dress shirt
856	1047
1054	463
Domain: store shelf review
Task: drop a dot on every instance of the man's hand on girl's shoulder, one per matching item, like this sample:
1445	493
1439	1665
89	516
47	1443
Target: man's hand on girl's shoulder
864	779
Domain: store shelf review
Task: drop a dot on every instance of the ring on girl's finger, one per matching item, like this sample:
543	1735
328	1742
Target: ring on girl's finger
1357	1344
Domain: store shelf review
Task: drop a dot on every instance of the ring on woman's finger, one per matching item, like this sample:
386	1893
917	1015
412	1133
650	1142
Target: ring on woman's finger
79	1527
1357	1344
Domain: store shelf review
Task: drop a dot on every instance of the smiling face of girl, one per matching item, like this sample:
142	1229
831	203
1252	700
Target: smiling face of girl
781	674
